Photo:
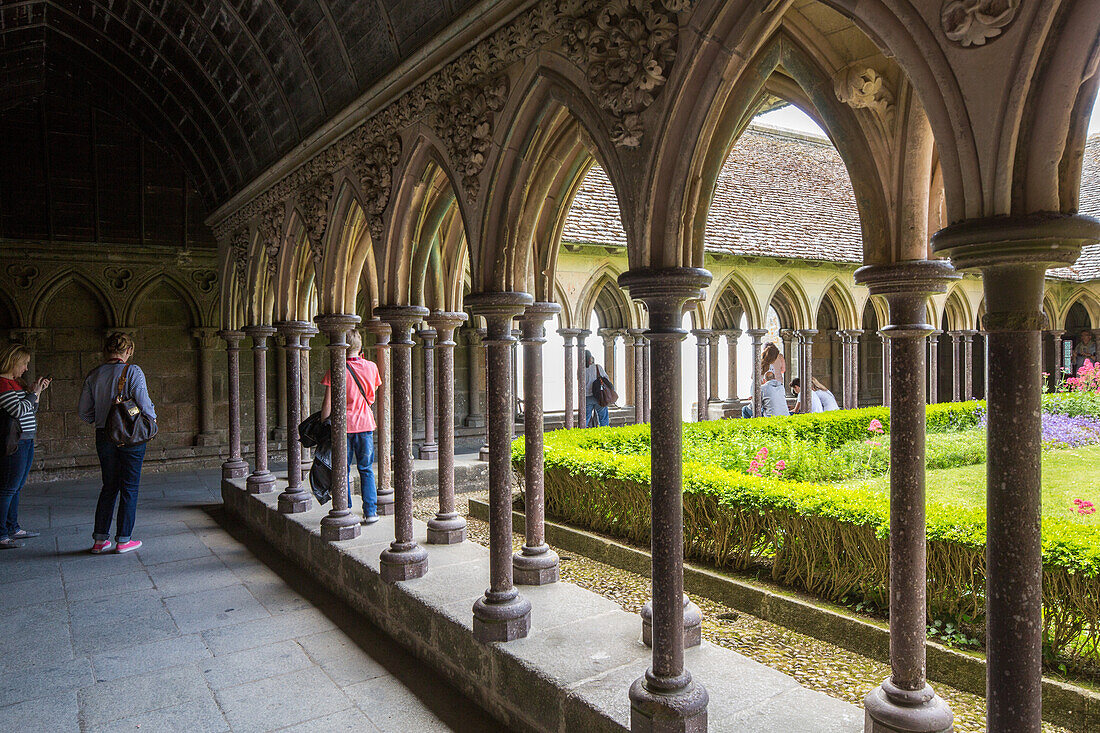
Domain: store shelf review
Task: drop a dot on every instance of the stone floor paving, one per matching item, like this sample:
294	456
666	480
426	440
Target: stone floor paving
199	630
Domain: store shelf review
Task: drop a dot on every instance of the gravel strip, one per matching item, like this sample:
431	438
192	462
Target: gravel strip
814	664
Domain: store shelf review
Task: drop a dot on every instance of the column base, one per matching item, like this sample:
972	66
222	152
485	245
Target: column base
260	482
384	505
295	502
234	468
446	529
338	529
681	711
428	451
505	620
483	454
693	624
890	709
474	421
535	566
403	561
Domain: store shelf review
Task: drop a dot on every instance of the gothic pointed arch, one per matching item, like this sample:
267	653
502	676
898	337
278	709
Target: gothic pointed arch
735	297
840	298
43	299
603	296
791	304
162	279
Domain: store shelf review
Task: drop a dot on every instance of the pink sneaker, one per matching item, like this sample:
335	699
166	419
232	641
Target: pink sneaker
102	546
127	546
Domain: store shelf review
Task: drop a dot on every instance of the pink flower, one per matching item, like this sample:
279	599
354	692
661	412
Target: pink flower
781	465
875	426
762	454
873	443
754	464
1084	507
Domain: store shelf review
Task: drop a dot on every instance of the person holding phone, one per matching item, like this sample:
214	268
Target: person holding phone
21	404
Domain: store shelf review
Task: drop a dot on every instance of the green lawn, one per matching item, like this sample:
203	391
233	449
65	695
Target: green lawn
1067	475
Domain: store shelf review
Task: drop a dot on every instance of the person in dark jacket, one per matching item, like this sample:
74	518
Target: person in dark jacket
120	466
21	404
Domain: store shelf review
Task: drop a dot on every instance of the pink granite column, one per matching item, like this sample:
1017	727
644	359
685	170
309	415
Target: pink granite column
429	448
447	527
234	466
666	698
207	341
279	432
956	357
483	350
756	334
502	614
853	346
339	524
638	335
702	360
609	336
806	367
295	498
306	386
886	377
475	414
1056	368
1013	254
567	335
934	366
793	357
536	563
261	480
712	368
404	559
582	417
968	364
383	412
732	337
905	703
647	382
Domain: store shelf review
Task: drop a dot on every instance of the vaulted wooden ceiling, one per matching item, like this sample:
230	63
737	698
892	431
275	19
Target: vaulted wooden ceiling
229	85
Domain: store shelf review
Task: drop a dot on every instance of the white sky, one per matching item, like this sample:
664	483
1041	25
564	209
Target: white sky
793	118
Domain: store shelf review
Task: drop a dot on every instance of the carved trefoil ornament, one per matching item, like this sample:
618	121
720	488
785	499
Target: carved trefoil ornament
973	22
861	87
627	49
22	275
118	277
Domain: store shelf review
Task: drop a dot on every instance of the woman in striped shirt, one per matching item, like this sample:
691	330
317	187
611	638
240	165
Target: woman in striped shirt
21	405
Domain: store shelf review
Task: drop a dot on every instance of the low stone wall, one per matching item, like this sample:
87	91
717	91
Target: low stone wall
572	672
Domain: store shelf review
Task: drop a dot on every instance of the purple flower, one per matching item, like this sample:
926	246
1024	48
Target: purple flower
1071	432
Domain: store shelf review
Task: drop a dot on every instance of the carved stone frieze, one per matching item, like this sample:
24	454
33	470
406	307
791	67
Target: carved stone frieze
374	155
627	48
861	87
239	245
270	229
315	199
973	22
465	124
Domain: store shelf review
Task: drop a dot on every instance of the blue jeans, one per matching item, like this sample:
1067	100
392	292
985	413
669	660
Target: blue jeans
746	410
361	451
13	474
121	468
602	416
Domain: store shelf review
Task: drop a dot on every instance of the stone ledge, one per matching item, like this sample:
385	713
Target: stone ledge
1070	706
570	674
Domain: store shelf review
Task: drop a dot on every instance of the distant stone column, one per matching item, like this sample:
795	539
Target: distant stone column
968	364
712	368
536	563
383	416
279	432
429	448
567	335
933	366
756	334
647	384
404	559
475	415
794	365
294	498
306	385
207	340
702	345
609	336
339	524
637	334
582	388
886	386
483	350
806	367
956	357
732	337
626	392
261	480
502	614
447	527
234	466
1056	370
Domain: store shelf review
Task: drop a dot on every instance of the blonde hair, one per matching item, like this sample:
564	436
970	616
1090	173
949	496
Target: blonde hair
118	344
818	385
11	355
355	342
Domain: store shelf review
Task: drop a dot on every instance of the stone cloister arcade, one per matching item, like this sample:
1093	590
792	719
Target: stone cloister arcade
442	188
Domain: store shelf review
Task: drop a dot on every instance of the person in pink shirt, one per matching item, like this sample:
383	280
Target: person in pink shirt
363	380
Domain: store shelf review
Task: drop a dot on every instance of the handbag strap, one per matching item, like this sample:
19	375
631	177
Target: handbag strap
122	383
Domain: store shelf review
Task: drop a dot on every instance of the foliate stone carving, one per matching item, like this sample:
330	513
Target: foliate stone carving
239	253
118	277
375	152
465	124
315	199
973	22
270	229
627	48
861	87
22	275
205	280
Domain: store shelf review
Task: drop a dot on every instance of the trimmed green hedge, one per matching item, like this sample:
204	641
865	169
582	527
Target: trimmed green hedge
827	540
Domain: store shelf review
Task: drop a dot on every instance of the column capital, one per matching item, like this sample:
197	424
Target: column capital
533	321
906	286
293	328
805	334
428	336
1044	239
582	334
498	309
207	338
1055	332
472	336
380	329
636	332
756	334
702	333
28	337
568	334
445	323
730	333
336	325
259	333
401	319
232	337
664	291
852	332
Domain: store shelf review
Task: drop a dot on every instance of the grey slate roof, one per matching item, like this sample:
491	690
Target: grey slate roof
787	194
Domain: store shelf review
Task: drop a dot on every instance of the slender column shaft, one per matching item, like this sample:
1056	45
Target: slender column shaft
968	365
404	559
702	345
306	386
806	367
429	449
475	416
279	432
383	412
340	523
536	564
756	334
712	367
234	466
732	337
956	361
933	367
854	359
483	351
261	479
794	360
447	527
502	614
886	381
905	702
582	388
639	374
609	337
567	335
207	342
647	386
1056	367
295	498
627	393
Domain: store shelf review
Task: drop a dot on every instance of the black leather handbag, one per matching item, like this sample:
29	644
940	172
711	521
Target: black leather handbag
11	431
127	426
